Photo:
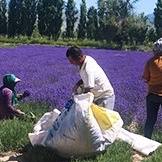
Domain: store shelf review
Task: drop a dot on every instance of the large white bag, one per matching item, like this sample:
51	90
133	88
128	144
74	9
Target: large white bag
42	126
78	131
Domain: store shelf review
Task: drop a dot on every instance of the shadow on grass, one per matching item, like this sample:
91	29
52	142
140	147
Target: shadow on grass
41	154
44	154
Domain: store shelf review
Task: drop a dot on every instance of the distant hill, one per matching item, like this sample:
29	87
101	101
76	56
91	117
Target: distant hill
151	17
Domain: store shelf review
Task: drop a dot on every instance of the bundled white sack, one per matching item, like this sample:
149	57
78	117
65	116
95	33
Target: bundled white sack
46	120
139	143
81	130
42	126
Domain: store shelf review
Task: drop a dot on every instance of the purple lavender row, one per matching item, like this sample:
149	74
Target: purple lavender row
47	74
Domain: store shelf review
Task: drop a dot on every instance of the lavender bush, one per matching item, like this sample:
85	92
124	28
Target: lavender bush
49	77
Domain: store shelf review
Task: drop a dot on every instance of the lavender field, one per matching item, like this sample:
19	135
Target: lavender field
47	74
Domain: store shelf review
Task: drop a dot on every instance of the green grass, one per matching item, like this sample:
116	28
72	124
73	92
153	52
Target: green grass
14	133
14	137
10	42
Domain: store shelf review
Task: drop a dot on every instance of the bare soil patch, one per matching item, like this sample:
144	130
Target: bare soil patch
11	157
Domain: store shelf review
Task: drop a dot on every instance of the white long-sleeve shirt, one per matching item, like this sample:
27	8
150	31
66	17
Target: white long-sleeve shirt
94	77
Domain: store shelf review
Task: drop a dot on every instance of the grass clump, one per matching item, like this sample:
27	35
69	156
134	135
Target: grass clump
14	133
155	156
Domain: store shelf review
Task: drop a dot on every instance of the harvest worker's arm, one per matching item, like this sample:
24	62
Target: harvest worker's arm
80	82
86	90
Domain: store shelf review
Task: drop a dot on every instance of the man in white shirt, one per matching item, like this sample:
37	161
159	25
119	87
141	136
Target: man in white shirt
93	78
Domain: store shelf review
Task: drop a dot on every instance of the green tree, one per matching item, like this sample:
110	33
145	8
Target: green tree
158	18
56	27
12	18
92	23
30	16
142	29
50	18
21	25
138	28
71	18
82	28
101	19
107	19
151	35
123	12
22	17
26	17
3	17
113	19
42	24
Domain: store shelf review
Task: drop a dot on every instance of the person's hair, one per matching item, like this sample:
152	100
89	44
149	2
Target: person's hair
74	52
157	53
157	47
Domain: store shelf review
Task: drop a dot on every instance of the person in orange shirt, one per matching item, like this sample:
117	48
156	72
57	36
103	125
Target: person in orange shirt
152	75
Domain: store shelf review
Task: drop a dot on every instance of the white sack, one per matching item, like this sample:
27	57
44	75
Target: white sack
139	143
46	120
42	126
75	132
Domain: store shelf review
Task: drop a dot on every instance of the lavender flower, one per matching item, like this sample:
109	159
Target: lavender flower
49	77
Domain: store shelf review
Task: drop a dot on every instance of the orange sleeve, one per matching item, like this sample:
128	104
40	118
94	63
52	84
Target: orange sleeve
146	73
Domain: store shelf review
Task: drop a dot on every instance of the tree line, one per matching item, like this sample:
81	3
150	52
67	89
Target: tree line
111	21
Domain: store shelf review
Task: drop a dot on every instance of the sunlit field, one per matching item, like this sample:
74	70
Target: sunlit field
48	75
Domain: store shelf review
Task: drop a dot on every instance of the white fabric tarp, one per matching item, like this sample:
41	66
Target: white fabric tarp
138	142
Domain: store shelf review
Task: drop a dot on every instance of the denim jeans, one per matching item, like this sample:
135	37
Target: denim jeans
153	103
106	102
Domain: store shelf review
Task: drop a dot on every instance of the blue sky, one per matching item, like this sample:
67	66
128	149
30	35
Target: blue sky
146	6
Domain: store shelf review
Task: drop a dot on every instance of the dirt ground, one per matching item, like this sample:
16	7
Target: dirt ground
18	157
137	157
11	157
